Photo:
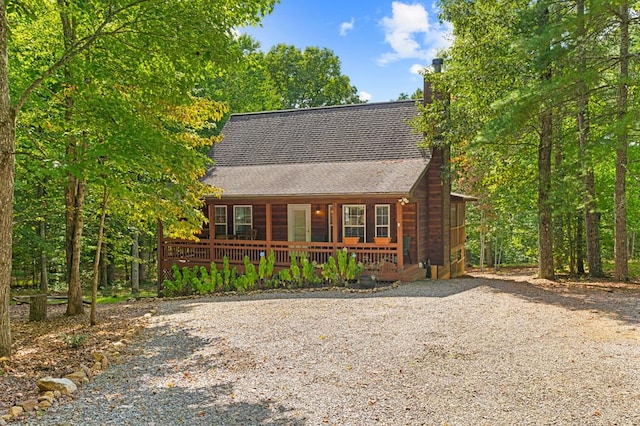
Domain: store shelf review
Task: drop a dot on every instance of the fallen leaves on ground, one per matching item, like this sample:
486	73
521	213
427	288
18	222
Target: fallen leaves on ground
41	349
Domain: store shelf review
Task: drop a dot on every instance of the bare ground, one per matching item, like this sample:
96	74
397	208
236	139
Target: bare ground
39	350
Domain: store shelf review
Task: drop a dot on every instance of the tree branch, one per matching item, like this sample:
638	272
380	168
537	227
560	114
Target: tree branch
74	50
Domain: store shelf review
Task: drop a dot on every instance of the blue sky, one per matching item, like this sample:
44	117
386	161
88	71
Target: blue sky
381	43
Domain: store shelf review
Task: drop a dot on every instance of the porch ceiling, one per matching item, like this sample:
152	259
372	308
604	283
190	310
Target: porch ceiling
343	178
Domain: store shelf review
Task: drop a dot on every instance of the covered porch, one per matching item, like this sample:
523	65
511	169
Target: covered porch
377	231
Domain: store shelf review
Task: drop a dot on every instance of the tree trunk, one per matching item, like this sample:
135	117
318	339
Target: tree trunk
38	307
144	257
592	220
44	276
545	230
93	316
579	245
7	159
111	265
621	267
103	269
75	196
591	216
135	265
490	250
571	245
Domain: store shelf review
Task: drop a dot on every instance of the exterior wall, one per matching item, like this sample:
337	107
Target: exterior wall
458	237
421	219
435	235
319	216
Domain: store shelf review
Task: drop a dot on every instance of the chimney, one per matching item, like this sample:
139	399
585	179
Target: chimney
427	92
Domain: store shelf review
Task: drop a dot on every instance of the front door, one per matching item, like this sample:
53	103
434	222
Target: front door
299	220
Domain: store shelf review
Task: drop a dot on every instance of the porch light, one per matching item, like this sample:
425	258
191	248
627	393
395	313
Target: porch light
403	201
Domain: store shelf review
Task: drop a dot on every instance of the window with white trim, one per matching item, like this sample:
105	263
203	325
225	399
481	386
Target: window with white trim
383	220
354	221
242	220
220	219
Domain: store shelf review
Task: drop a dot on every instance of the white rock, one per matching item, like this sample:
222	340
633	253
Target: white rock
16	410
64	386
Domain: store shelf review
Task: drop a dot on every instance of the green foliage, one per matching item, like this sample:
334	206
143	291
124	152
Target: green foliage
487	107
301	273
284	276
250	273
309	275
294	271
265	268
216	277
330	271
175	287
205	283
226	274
74	340
308	78
354	268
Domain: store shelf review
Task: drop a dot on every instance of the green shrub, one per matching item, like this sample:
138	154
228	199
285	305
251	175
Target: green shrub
250	273
74	340
294	270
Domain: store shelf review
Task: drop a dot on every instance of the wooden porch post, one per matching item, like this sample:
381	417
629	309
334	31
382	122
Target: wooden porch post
212	219
334	237
160	250
269	228
212	230
400	249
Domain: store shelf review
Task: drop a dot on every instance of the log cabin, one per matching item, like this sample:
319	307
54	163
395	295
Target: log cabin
323	179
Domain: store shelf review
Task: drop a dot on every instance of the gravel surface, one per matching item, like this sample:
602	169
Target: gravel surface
458	352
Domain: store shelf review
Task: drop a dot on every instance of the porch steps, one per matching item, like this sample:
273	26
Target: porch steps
412	272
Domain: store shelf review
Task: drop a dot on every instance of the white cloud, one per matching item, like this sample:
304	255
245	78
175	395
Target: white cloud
417	69
364	96
410	34
345	27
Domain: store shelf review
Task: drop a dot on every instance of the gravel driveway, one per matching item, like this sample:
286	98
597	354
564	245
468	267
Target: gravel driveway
458	352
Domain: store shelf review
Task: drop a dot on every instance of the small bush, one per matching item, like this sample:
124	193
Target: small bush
74	340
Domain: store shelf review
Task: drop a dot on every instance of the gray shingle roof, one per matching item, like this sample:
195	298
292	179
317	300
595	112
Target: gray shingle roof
350	149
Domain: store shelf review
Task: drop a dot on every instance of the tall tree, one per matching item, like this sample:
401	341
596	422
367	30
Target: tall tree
621	267
545	146
309	78
246	86
7	158
153	38
591	215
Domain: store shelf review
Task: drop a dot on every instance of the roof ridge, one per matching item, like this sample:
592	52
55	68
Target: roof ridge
294	110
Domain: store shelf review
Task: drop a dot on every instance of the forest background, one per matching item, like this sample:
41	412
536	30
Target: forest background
109	108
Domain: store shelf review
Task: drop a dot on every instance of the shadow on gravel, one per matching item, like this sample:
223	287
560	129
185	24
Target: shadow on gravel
173	378
622	305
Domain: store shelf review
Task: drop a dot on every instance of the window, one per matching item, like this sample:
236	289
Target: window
242	220
383	220
353	221
220	219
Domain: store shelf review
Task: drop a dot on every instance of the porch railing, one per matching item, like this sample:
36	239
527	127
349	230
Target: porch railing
202	253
